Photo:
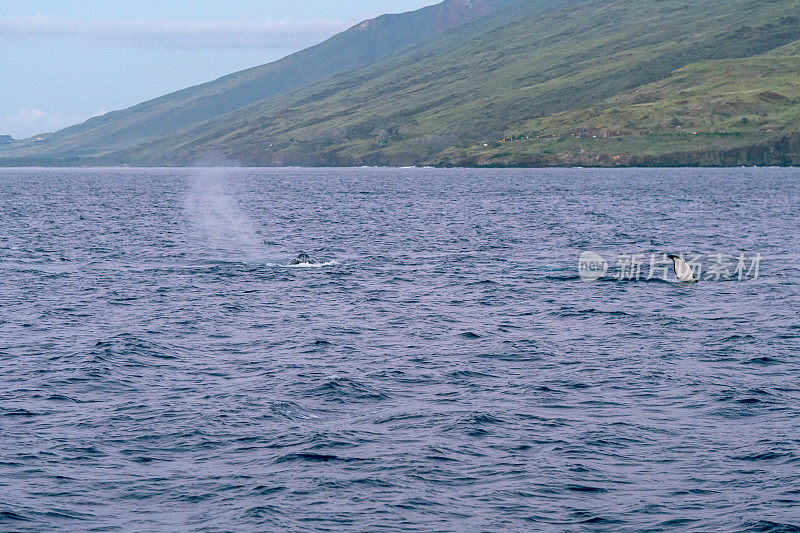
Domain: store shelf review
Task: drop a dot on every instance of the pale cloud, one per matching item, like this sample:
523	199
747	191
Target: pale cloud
173	34
31	121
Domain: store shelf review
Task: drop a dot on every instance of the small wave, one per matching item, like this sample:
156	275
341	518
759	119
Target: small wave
11	516
735	338
263	490
315	458
485	418
21	413
345	390
749	401
586	489
130	347
764	360
263	510
593	311
767	526
611	279
399	417
763	456
461	374
567	277
66	399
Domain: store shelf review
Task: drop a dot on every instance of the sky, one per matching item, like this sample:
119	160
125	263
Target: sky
62	62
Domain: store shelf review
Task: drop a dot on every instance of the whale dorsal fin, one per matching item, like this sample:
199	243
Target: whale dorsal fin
682	270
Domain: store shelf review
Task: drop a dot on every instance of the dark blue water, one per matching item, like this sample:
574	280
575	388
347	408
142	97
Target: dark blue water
443	368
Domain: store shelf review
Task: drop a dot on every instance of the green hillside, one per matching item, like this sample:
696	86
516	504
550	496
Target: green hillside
723	112
541	82
358	46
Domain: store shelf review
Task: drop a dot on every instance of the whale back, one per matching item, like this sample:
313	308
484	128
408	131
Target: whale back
303	259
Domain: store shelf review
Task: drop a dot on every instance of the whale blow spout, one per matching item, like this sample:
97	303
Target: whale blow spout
682	270
303	259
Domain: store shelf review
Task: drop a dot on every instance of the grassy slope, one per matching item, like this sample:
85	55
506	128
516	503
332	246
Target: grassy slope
353	48
320	115
710	106
501	75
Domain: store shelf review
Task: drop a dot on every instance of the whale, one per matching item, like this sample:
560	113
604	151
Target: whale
303	259
683	271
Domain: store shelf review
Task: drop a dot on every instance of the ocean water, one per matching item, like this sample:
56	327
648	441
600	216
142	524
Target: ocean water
441	368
